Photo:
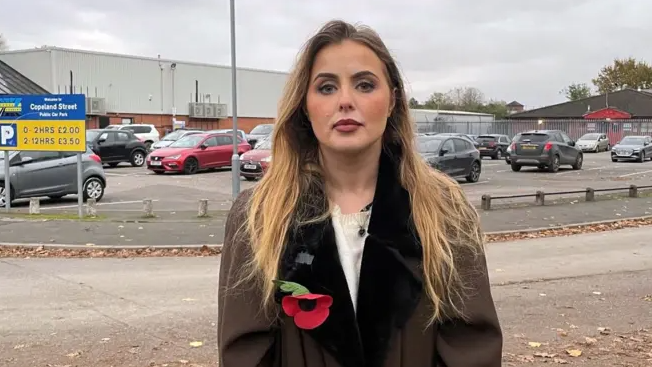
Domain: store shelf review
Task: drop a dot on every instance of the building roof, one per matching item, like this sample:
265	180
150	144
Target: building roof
514	104
13	82
637	103
450	112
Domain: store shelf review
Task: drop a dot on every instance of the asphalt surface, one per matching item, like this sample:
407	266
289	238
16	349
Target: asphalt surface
128	186
183	228
148	311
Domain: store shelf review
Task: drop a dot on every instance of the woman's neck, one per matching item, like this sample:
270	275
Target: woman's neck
351	179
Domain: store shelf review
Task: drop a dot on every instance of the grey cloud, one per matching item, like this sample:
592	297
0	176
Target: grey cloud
510	49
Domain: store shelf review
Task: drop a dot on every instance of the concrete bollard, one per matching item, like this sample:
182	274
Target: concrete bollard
91	208
203	208
633	191
540	198
34	206
486	202
148	208
590	194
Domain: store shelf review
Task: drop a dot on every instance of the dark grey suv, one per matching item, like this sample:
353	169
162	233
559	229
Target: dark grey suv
545	149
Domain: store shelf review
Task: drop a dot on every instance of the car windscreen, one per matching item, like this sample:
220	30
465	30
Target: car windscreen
175	135
589	137
534	138
428	145
632	141
262	130
265	145
91	135
189	141
483	138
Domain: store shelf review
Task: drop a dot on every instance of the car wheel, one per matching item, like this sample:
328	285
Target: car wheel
614	160
3	196
516	167
554	165
474	175
499	155
137	158
190	166
250	178
578	162
93	189
641	157
608	147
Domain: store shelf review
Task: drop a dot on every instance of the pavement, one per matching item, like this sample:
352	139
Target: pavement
551	294
184	228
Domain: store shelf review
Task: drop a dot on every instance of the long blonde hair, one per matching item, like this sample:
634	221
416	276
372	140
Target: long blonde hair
443	219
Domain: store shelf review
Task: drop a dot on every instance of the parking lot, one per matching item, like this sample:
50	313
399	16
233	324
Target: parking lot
128	186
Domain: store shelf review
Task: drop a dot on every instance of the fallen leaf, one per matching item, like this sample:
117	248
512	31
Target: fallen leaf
560	361
196	344
574	352
604	330
188	299
19	346
534	344
597	293
544	355
590	341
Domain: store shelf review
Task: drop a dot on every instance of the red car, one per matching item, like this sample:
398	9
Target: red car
194	153
254	163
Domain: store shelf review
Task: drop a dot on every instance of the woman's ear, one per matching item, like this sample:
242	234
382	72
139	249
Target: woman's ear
392	102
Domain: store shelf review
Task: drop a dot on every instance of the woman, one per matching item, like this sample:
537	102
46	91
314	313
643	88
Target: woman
390	250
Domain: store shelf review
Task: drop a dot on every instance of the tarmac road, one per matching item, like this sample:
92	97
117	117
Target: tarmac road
147	311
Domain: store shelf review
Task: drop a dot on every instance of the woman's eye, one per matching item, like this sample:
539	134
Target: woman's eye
366	87
326	89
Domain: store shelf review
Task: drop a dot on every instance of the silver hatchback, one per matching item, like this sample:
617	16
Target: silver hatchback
51	174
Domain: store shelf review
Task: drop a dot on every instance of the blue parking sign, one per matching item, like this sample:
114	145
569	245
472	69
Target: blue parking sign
8	136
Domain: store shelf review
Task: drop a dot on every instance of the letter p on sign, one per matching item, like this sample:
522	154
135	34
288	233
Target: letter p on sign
8	135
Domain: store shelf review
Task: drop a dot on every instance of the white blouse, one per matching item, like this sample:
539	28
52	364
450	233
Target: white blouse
350	245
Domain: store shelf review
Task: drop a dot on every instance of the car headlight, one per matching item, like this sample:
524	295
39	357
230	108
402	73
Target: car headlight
267	159
174	156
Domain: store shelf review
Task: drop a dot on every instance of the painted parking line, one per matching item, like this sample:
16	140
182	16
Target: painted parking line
635	173
98	204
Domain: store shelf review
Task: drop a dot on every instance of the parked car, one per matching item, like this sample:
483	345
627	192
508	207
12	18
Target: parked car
259	132
241	133
545	149
254	163
172	137
116	146
508	151
594	142
493	145
52	174
147	133
453	155
466	136
637	148
194	153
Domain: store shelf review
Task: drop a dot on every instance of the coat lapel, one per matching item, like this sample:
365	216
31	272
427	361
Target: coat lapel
389	288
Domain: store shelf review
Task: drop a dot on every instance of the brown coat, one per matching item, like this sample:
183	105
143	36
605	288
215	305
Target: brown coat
388	330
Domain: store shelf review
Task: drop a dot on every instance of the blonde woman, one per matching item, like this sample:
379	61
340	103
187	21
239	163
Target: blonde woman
351	251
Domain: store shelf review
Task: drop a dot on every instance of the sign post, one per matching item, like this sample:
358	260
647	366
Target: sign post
42	123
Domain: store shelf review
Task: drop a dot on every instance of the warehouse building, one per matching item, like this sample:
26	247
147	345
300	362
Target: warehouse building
122	89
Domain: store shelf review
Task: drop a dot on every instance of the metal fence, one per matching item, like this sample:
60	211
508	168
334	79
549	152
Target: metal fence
614	129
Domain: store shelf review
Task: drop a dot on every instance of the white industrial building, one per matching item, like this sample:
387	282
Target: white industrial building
445	121
123	89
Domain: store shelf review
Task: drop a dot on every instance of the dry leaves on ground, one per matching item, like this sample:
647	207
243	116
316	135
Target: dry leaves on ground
89	252
606	349
568	231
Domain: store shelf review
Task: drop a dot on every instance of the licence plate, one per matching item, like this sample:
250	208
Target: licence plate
531	147
250	166
483	148
155	163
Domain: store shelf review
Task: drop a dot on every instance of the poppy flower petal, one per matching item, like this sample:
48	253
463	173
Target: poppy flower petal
324	301
291	306
309	296
312	319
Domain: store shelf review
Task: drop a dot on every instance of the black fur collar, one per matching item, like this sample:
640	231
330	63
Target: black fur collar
390	287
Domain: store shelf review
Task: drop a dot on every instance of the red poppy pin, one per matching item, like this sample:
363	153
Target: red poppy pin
309	310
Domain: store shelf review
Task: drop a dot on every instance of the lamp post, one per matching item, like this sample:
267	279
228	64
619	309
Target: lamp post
235	158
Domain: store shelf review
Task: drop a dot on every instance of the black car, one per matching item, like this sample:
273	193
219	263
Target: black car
465	136
117	146
493	145
545	149
453	155
637	148
259	132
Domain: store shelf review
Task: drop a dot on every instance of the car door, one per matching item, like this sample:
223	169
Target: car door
463	156
447	158
504	142
121	140
225	150
208	156
105	147
44	175
569	152
648	146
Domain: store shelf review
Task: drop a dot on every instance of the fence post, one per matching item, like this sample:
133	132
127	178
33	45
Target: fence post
590	194
34	206
540	198
148	208
91	208
633	191
203	208
486	202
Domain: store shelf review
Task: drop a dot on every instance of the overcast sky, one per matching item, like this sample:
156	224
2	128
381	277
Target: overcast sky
510	49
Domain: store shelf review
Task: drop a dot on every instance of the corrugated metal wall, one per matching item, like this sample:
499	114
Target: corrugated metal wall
34	64
137	85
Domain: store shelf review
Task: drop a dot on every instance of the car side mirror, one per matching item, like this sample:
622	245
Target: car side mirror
100	141
646	144
571	143
443	152
203	147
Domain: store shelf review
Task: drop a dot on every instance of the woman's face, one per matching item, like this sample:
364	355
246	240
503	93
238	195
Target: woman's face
349	98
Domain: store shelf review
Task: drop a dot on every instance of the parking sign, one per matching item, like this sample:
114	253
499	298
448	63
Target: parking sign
8	138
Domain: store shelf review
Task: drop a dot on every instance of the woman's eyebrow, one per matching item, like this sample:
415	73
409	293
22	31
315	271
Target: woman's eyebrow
358	75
